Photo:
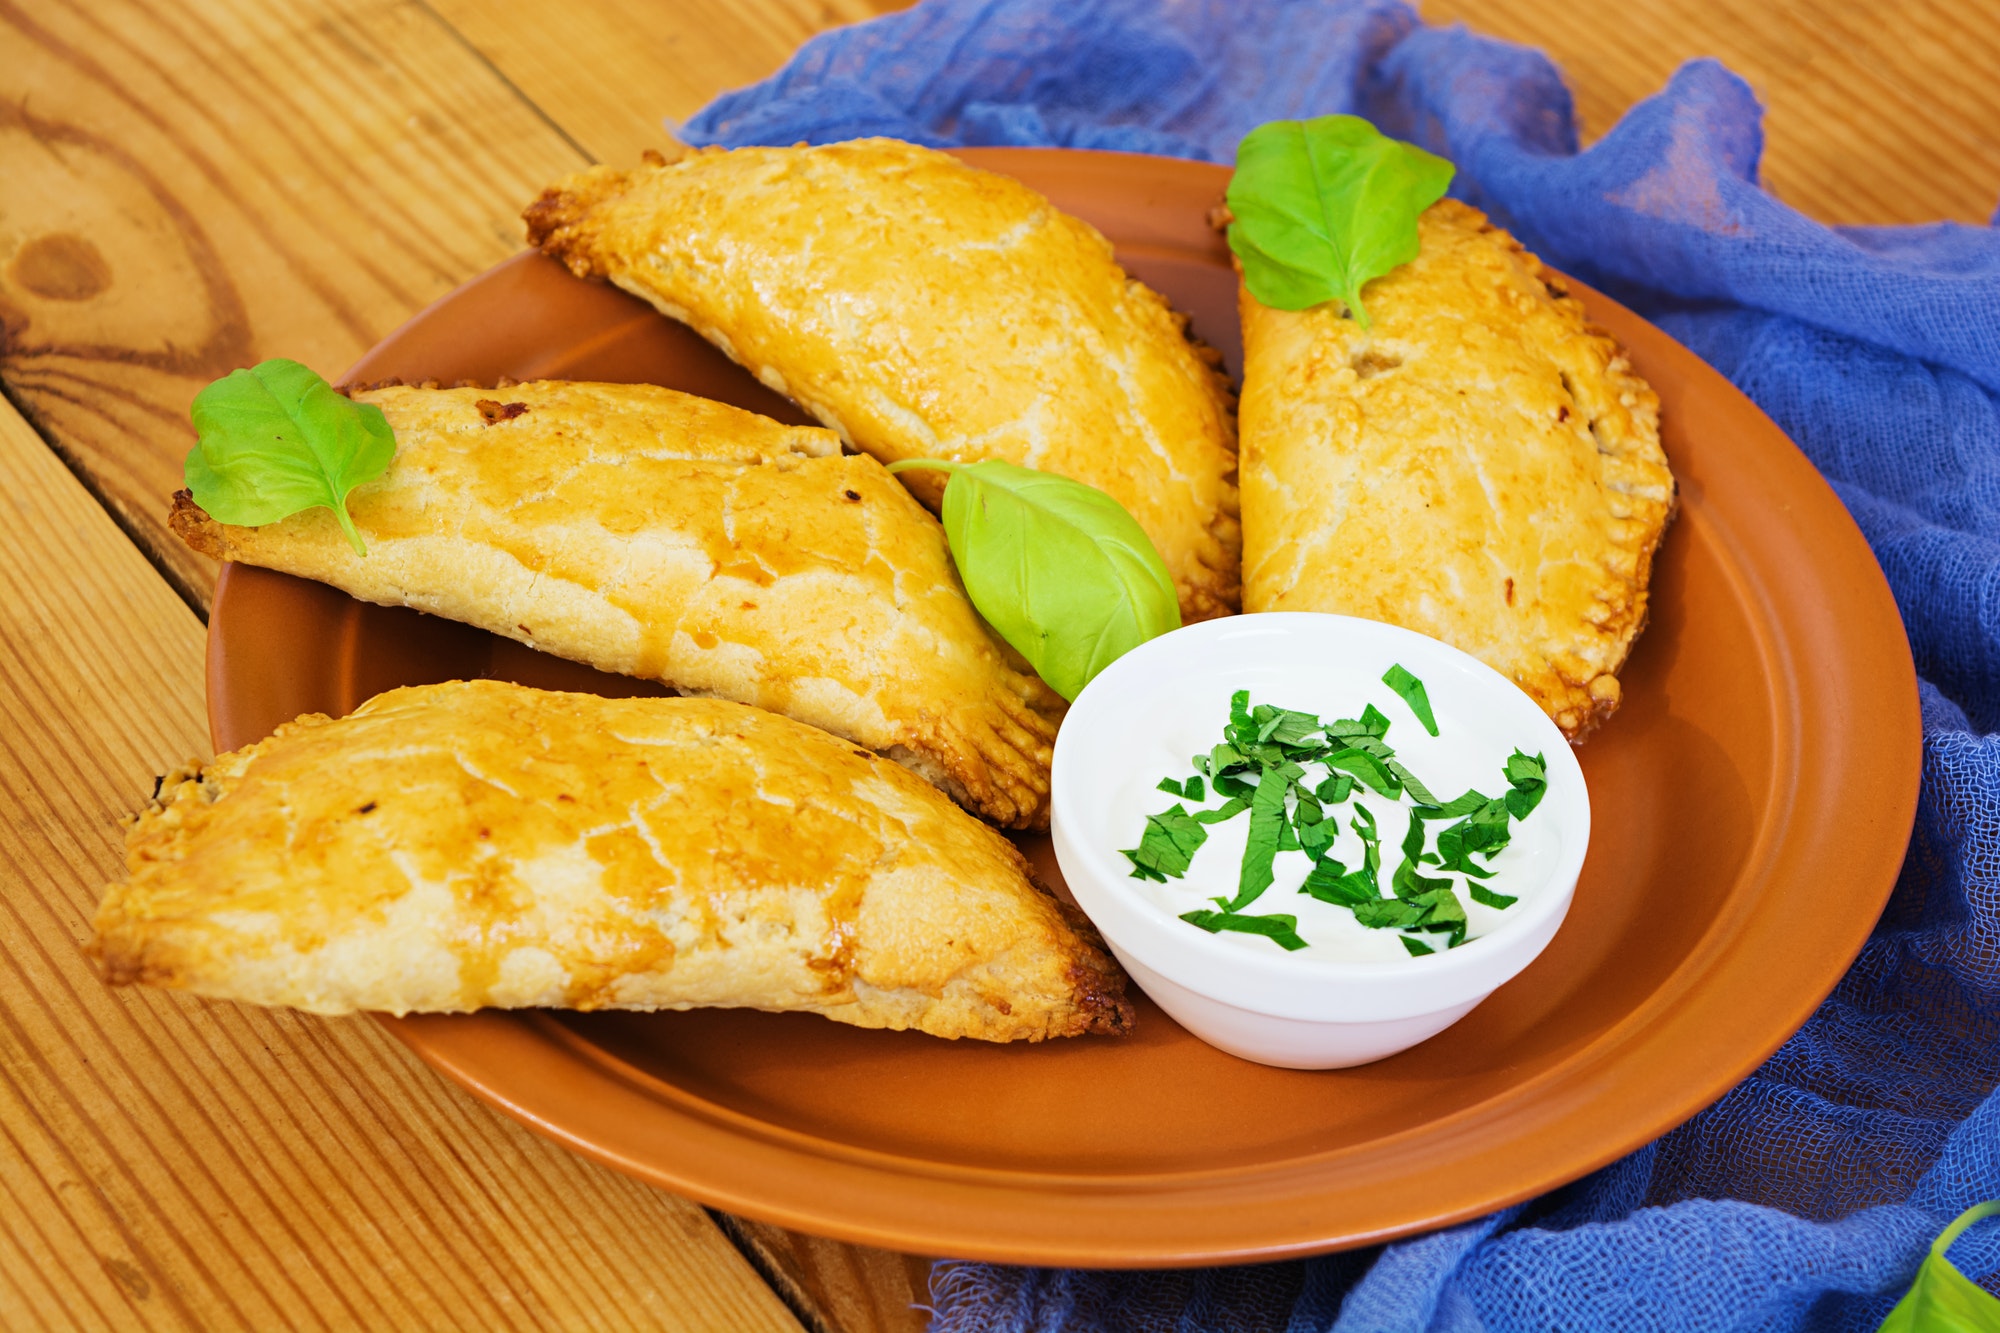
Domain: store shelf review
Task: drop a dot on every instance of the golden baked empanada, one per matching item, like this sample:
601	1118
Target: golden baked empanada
474	844
665	536
924	308
1481	465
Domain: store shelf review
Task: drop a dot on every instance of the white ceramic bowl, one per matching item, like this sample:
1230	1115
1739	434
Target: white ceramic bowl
1243	994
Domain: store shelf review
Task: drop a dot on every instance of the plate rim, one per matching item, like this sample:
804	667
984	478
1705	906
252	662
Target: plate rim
961	1216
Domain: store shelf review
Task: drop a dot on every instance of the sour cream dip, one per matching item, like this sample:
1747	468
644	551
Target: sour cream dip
1352	994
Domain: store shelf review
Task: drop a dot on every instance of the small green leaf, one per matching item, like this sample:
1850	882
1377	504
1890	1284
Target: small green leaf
1412	691
1417	948
1167	846
1368	768
1172	787
1528	776
1331	882
1942	1299
1322	206
1193	789
1481	894
1260	851
276	439
1059	569
1277	926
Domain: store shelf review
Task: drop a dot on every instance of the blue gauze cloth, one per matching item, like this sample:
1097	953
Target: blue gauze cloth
1806	1197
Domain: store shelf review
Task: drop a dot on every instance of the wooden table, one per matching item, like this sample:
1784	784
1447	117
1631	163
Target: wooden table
190	187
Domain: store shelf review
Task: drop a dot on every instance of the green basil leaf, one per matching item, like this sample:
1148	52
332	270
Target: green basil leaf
1059	569
1412	691
1481	894
1277	926
1229	809
1321	206
1171	786
276	439
1942	1299
1417	948
1193	789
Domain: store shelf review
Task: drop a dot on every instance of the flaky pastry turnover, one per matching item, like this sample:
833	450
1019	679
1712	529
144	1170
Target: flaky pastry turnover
924	308
451	847
1481	465
661	535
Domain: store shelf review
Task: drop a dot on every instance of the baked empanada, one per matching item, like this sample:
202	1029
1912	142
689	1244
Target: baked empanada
924	308
479	844
665	536
1481	465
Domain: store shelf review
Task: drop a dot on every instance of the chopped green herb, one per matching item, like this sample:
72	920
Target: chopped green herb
1260	767
1267	821
1388	914
1167	847
1529	777
1412	691
1464	805
1411	886
1335	789
1277	926
1229	785
1417	948
1368	768
1331	882
1417	790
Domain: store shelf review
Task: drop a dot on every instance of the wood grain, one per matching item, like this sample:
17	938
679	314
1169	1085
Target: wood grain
194	186
1878	111
835	1287
610	72
171	1163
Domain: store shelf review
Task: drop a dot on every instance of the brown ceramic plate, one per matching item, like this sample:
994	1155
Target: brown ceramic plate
1753	799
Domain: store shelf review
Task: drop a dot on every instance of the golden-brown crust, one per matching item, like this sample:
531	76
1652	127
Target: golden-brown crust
1482	465
924	308
478	844
661	535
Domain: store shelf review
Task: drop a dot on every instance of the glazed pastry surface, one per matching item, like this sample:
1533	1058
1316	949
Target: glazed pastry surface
924	308
1482	465
661	535
472	844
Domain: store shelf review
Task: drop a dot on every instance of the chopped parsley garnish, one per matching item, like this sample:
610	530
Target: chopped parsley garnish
1293	772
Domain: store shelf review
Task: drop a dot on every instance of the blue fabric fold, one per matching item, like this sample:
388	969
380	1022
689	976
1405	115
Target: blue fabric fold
1806	1197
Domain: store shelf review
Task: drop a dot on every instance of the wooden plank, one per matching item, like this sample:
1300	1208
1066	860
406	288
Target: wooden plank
198	185
1879	111
610	72
176	1164
835	1287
